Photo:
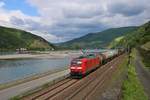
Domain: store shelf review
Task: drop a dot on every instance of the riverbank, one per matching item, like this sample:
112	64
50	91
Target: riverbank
30	78
52	54
7	93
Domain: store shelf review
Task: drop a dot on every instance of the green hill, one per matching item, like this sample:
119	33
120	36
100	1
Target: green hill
97	40
137	38
11	39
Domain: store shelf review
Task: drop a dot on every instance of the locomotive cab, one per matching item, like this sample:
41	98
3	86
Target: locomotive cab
82	65
76	66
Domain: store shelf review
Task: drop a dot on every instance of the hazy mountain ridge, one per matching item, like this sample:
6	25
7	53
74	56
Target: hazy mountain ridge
97	40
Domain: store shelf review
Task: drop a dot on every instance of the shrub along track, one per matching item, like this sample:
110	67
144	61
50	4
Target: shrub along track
79	89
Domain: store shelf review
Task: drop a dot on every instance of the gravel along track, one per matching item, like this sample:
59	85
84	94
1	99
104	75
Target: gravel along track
79	89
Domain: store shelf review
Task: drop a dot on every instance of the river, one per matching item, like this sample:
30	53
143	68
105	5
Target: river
11	70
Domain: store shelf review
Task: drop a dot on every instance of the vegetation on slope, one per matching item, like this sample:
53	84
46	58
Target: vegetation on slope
11	39
97	40
115	41
132	88
136	38
145	53
139	39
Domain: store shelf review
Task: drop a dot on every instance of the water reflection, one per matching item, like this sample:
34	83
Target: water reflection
17	69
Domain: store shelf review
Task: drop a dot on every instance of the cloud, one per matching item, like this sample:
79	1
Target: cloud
127	8
48	36
62	20
16	21
1	4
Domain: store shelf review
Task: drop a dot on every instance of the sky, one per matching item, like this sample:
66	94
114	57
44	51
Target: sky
63	20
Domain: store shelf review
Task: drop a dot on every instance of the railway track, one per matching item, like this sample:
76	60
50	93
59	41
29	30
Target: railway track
78	89
44	92
92	87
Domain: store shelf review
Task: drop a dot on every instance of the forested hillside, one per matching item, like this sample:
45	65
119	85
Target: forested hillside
11	39
139	39
97	40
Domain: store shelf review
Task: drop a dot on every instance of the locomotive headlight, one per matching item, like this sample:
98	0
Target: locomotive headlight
79	67
79	62
73	68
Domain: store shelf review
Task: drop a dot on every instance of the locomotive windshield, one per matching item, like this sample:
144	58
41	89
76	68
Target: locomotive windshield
78	62
86	56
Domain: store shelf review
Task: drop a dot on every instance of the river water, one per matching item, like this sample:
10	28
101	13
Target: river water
17	69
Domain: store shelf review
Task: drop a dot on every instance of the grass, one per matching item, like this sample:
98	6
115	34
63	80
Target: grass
132	88
115	41
15	98
145	55
146	46
121	69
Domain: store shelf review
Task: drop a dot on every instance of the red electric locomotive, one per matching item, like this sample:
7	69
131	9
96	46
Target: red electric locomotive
84	64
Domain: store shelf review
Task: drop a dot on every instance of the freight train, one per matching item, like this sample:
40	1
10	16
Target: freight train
91	60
